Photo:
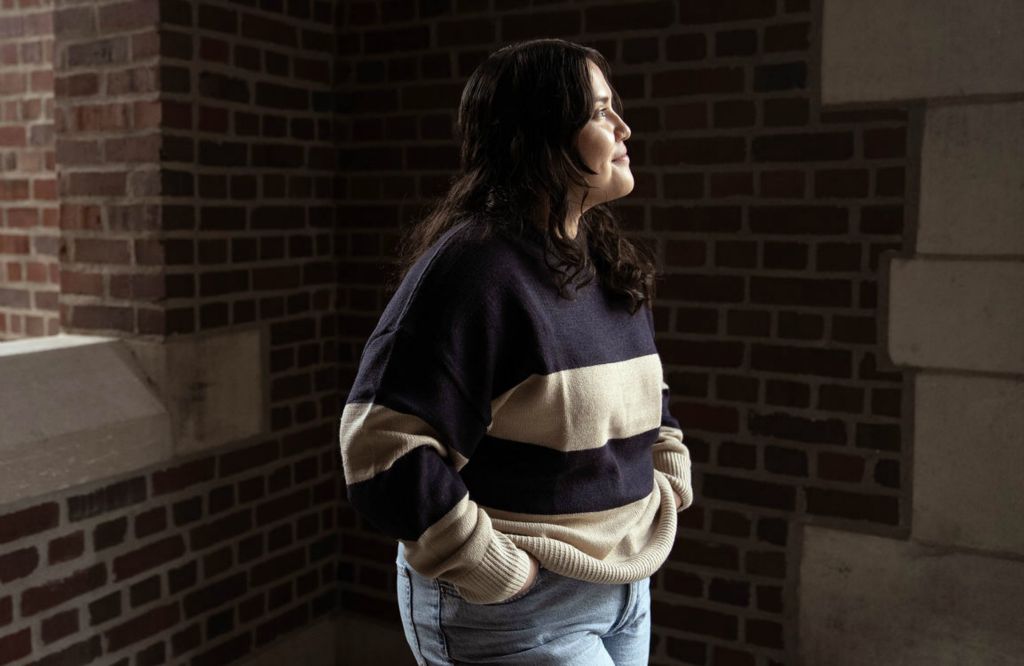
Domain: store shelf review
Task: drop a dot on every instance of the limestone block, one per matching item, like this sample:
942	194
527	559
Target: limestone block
888	50
213	385
865	599
956	314
972	180
968	456
74	409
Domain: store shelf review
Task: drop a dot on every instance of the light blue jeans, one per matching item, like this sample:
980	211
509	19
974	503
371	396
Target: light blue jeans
559	621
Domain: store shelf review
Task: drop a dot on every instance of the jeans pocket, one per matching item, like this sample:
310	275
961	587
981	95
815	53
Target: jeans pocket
518	596
404	592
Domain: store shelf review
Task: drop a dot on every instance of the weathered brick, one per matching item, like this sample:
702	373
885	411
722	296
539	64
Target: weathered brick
46	596
105	608
143	626
228	527
28	521
223	653
749	491
695	620
150	522
216	594
18	564
241	460
540	24
66	547
15	646
634	16
882	509
182	476
109	534
107	499
148	557
276	567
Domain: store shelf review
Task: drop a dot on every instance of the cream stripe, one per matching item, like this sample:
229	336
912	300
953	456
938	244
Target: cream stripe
611	535
582	408
373	437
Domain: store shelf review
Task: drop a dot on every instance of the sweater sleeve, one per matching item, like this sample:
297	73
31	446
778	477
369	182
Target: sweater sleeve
419	406
671	456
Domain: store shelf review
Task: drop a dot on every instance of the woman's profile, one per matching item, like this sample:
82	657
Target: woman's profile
509	422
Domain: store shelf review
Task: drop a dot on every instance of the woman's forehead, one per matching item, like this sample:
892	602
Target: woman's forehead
598	84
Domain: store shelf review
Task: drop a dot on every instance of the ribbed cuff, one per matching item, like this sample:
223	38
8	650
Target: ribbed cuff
500	574
676	468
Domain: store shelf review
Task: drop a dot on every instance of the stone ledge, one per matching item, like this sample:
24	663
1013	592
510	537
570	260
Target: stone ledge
75	409
865	599
957	49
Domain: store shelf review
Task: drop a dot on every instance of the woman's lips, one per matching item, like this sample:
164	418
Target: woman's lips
624	158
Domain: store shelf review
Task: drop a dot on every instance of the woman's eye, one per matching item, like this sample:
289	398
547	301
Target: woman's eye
601	113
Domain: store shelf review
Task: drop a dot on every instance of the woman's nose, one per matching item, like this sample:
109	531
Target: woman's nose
624	130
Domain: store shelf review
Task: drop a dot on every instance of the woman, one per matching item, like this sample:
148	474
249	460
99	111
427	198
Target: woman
509	422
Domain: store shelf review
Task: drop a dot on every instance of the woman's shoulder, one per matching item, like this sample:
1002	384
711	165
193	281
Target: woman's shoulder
477	254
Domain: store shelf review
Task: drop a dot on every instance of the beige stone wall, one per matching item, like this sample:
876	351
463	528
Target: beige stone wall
955	304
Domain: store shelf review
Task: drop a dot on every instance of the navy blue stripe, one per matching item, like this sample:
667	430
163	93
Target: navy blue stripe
416	492
525	478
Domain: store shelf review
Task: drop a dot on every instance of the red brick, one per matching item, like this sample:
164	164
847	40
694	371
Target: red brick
540	24
217	594
131	15
66	548
105	608
720	11
231	526
787	37
18	564
54	593
93	184
465	31
229	651
150	522
634	16
15	646
841	183
786	112
11	244
108	498
697	81
840	467
782	184
815	220
75	282
101	251
699	150
241	460
885	142
60	625
812	146
26	522
143	626
6	611
277	567
99	317
150	556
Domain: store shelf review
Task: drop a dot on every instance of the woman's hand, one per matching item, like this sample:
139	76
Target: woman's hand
534	569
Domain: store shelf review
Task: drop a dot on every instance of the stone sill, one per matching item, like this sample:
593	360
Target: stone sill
74	409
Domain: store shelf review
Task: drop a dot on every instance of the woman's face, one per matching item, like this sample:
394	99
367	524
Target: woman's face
601	144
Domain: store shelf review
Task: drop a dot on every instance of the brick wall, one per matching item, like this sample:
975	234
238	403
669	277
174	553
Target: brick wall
29	264
199	562
768	214
195	147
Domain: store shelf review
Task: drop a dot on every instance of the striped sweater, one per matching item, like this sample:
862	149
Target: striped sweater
491	418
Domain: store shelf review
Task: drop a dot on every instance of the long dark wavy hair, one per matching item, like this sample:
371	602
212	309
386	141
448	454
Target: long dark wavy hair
519	117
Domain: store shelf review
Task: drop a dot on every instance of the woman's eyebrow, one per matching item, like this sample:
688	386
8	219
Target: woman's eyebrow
601	100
